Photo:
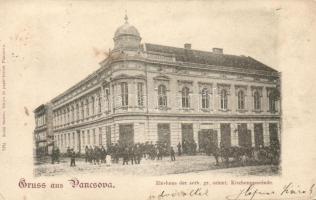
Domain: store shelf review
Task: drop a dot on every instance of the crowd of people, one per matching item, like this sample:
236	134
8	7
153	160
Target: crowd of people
133	154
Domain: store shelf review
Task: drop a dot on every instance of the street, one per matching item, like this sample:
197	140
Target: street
200	164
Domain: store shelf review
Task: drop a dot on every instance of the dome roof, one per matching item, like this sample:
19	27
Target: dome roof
126	29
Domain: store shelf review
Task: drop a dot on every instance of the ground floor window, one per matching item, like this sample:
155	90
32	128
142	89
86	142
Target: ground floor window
258	133
108	136
244	135
273	132
225	135
126	134
164	134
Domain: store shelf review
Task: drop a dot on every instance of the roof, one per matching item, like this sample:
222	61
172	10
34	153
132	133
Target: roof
209	58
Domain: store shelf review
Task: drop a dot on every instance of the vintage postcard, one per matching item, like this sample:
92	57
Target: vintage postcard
157	100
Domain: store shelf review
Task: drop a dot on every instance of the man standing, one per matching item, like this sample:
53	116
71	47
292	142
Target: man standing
72	159
173	158
179	149
53	155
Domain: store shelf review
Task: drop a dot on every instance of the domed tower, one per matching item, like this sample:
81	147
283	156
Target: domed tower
126	37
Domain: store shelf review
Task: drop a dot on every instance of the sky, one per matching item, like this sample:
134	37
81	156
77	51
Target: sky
52	45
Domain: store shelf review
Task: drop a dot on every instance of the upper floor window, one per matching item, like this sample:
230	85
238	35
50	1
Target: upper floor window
87	108
241	100
99	104
72	114
162	96
82	110
256	100
77	111
185	97
140	94
224	99
93	105
124	93
205	99
272	103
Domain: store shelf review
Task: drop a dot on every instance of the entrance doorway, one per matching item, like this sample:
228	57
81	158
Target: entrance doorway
126	137
207	139
187	138
225	135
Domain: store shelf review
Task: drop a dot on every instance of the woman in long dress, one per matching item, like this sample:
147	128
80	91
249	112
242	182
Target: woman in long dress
108	160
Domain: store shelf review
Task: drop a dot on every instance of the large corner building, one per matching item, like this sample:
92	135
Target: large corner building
146	92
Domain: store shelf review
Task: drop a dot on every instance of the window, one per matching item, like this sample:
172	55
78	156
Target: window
224	99
94	137
83	138
73	139
162	96
241	100
107	93
140	94
124	93
77	111
205	99
100	136
92	102
68	139
99	104
82	110
272	107
72	114
88	136
87	107
256	101
185	97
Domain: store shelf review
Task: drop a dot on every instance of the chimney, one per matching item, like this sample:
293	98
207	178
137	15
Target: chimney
218	50
187	46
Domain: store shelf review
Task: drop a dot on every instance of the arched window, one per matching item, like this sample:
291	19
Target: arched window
272	107
99	104
124	93
205	98
87	108
241	100
68	115
72	114
162	96
92	102
185	98
224	99
77	111
82	110
256	100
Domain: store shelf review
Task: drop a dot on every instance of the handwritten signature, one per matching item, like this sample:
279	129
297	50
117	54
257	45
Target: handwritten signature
289	191
197	192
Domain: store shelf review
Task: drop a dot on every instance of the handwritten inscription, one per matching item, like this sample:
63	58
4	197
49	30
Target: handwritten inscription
291	190
196	192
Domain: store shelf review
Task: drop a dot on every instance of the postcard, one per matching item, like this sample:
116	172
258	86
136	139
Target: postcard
157	100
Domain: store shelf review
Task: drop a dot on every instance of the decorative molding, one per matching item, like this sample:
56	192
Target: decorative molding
241	87
221	86
256	88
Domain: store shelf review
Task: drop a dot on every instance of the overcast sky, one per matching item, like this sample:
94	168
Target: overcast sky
55	45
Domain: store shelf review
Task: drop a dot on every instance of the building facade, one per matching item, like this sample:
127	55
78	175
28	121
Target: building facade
153	93
43	133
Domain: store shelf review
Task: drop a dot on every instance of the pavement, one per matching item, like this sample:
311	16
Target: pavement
197	164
